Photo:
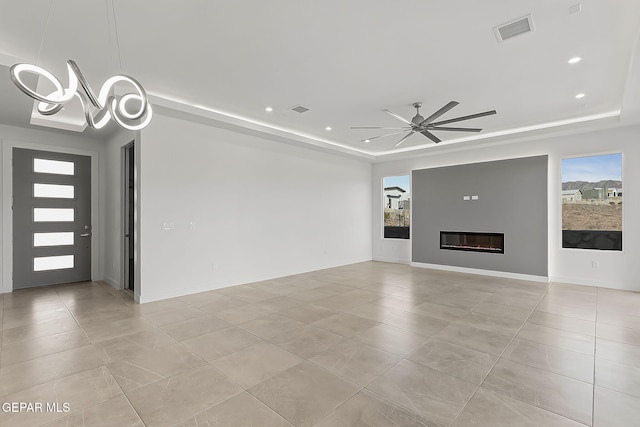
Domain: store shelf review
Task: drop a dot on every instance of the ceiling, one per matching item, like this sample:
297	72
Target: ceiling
345	61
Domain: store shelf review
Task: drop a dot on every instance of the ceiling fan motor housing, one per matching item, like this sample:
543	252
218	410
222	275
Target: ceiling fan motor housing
418	118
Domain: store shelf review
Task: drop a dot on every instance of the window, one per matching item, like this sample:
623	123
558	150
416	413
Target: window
47	263
592	202
54	191
53	214
396	204
53	166
53	239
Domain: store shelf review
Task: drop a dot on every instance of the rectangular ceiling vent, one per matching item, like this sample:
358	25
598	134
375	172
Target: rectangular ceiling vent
300	109
514	28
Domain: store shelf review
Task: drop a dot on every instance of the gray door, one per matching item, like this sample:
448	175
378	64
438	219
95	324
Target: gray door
51	218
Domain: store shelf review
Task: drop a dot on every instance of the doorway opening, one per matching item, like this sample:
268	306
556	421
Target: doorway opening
129	216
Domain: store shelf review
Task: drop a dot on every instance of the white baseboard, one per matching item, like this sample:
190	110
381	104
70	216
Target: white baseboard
112	282
204	287
493	273
180	292
394	260
635	287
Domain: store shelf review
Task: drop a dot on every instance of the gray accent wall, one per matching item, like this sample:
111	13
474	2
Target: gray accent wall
512	199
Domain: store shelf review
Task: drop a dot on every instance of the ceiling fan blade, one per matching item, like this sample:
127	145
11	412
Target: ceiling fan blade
455	129
398	117
404	137
438	113
377	127
431	136
382	136
459	119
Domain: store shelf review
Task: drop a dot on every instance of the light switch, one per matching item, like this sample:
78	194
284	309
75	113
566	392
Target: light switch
466	197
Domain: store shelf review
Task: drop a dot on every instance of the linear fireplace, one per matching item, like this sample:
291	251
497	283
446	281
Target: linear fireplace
472	241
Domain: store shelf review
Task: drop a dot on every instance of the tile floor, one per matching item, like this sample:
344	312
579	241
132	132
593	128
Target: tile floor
370	344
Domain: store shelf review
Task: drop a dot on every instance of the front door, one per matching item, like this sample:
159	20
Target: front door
51	218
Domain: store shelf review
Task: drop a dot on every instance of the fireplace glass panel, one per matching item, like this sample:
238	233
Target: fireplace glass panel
472	241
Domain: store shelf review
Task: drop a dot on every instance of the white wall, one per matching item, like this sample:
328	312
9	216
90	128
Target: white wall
52	141
617	269
260	209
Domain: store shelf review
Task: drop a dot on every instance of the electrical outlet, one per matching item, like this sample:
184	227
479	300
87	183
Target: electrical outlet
474	197
595	264
466	197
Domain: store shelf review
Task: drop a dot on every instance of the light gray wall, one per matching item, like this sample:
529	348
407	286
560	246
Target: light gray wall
512	200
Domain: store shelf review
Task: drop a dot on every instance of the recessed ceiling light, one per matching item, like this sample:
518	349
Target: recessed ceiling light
580	95
268	109
575	60
328	128
367	140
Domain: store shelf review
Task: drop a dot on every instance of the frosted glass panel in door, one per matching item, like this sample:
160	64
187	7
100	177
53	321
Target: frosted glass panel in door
53	166
52	262
53	214
52	239
54	191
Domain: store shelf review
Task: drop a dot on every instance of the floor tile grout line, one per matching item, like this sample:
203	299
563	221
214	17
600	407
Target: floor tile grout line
123	394
562	329
364	387
555	373
75	318
403	358
359	388
500	357
132	407
52	354
592	384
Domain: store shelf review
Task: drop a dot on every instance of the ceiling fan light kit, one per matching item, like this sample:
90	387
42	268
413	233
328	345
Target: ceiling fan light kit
419	124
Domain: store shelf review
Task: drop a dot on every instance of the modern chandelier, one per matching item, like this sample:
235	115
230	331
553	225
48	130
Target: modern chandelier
131	111
98	110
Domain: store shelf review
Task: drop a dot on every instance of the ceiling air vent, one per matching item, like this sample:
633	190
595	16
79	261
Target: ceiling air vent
514	28
300	109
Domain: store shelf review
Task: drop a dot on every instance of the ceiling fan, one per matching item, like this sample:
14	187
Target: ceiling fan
425	126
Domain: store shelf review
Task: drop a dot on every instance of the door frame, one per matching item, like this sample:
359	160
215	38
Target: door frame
7	200
124	210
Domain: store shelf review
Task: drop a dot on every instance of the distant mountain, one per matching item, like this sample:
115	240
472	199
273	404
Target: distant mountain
583	185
